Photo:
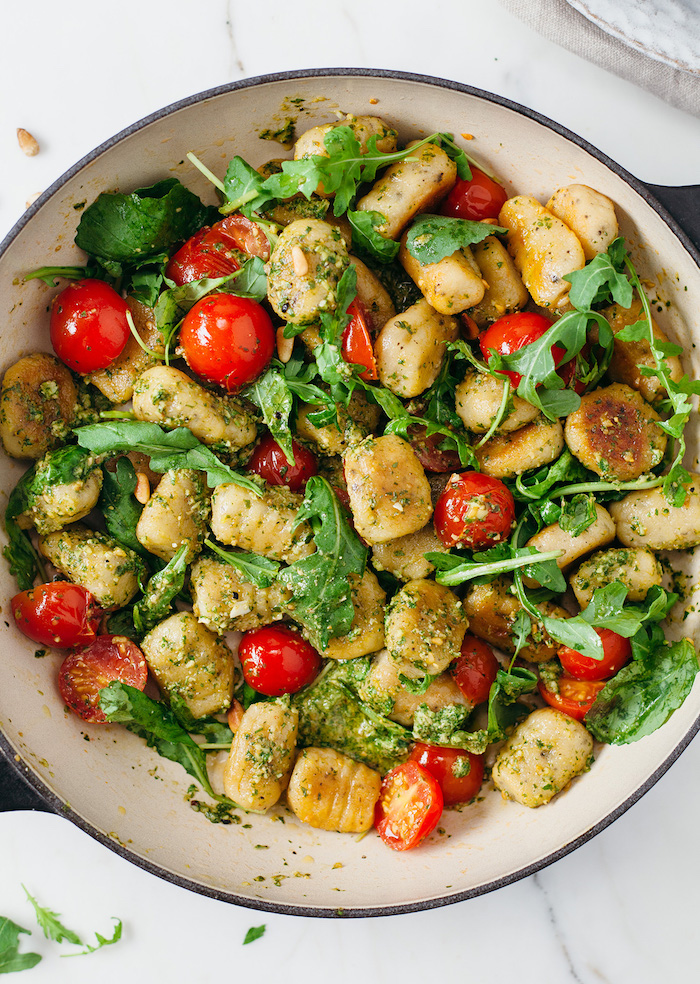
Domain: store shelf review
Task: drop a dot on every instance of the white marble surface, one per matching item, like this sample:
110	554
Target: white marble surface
622	908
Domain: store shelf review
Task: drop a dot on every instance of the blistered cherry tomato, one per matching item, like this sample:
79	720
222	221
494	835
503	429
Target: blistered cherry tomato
429	452
227	340
409	806
478	198
57	614
475	669
356	346
270	462
88	325
275	660
87	671
474	511
459	773
213	251
616	652
575	697
515	331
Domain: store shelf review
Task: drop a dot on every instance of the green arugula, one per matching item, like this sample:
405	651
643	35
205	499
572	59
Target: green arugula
51	926
101	941
177	448
577	514
273	397
602	280
160	593
367	240
253	934
416	686
433	237
460	157
11	960
261	571
453	569
216	732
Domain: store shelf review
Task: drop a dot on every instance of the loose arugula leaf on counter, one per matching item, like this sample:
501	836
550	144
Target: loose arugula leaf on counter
119	507
253	934
51	926
101	941
11	960
366	240
320	584
260	570
177	448
433	237
160	593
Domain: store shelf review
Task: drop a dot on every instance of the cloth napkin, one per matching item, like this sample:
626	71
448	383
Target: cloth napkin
559	22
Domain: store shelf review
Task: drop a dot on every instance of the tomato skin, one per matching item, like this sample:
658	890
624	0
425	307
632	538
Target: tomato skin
515	331
474	511
211	252
575	697
84	672
276	661
428	451
57	614
475	669
617	651
356	346
88	325
270	463
227	340
478	199
440	762
409	806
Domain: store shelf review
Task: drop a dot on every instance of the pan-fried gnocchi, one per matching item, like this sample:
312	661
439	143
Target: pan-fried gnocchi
306	591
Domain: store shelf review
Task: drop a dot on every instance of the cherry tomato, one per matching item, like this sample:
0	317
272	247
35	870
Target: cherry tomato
356	346
479	198
428	451
575	697
57	614
275	660
515	331
446	765
88	325
212	252
474	511
409	806
475	669
269	461
616	652
86	671
227	340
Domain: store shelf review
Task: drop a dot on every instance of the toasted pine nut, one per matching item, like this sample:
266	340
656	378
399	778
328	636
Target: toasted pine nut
299	261
235	715
142	492
27	143
284	345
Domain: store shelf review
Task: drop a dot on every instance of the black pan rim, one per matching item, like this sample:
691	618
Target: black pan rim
61	808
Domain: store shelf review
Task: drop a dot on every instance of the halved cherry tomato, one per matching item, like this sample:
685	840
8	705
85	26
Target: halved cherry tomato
616	652
212	252
474	511
276	660
447	765
515	331
428	451
478	198
227	340
475	669
88	325
269	461
575	697
409	806
85	672
356	346
57	614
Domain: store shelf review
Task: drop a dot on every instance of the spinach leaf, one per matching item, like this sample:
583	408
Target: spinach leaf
273	397
160	592
212	729
320	584
433	237
51	926
367	241
253	934
643	695
11	960
120	508
260	570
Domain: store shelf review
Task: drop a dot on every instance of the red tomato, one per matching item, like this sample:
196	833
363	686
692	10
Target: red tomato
276	660
575	697
88	325
57	614
428	451
474	511
270	463
211	252
85	672
616	652
475	669
409	806
478	199
445	765
356	346
227	340
515	331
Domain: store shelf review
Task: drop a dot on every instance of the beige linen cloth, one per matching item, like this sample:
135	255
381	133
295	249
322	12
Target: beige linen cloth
560	23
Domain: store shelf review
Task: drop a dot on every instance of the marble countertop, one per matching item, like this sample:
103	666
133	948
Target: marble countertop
621	908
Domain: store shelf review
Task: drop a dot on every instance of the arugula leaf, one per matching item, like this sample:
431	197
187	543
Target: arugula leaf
273	397
120	508
243	189
602	279
535	485
320	584
459	156
253	934
247	696
452	569
367	241
577	514
11	960
177	448
101	941
416	686
260	570
160	592
433	237
213	730
642	695
51	926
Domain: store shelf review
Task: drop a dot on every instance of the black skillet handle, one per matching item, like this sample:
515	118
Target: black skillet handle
684	206
15	791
